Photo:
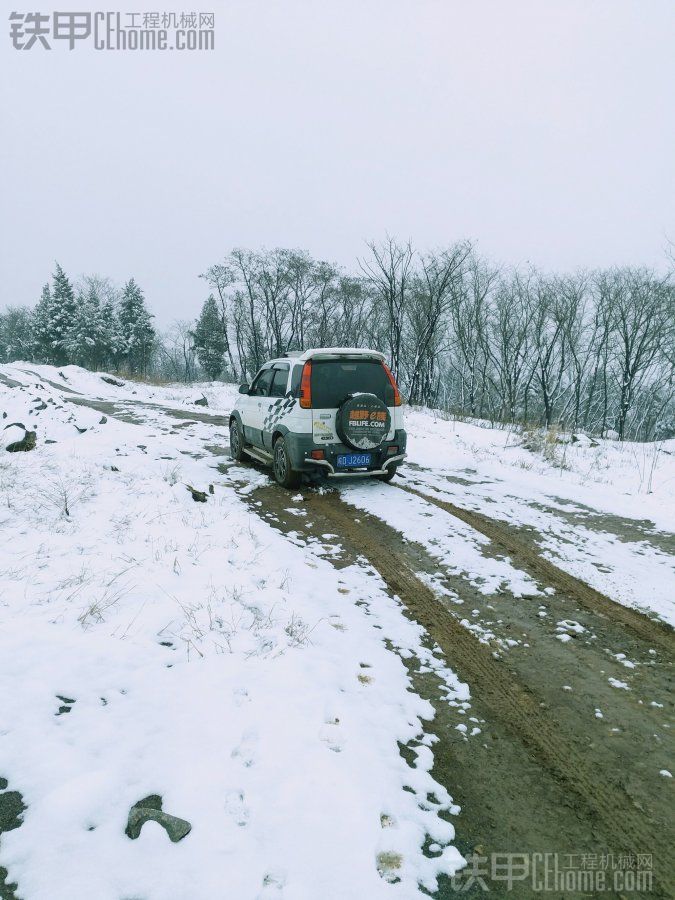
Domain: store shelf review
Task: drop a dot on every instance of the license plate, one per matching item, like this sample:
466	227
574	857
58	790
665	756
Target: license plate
354	460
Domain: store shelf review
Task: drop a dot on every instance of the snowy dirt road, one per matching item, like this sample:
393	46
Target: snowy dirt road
562	738
540	771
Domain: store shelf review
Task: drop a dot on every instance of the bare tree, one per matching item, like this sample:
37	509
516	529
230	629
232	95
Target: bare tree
435	288
509	347
176	352
639	301
390	273
470	313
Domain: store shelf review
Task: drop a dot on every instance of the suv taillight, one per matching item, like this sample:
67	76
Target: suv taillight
392	382
306	386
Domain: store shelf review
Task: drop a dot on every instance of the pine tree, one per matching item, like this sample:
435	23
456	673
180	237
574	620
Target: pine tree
63	316
136	328
43	349
209	339
111	335
80	339
85	338
16	338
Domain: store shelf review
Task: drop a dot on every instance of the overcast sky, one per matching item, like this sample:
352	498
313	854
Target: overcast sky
544	131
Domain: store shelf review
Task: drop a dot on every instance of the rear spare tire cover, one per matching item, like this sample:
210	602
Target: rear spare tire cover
363	421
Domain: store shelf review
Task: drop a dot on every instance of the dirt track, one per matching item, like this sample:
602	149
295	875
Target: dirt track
525	556
550	777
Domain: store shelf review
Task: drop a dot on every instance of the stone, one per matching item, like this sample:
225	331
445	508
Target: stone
28	443
11	810
197	496
150	810
67	705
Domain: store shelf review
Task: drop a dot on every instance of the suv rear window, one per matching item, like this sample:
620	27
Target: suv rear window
334	379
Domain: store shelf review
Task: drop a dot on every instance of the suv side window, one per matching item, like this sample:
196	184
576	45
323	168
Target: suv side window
280	381
295	380
261	386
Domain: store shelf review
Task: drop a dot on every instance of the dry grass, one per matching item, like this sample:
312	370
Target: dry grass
549	443
388	865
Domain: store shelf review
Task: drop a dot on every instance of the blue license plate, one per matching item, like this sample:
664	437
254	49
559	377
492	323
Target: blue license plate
354	460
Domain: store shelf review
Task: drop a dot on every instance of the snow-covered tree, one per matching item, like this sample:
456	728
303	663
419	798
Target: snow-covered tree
100	299
111	334
136	329
63	309
209	339
42	327
53	320
16	334
83	338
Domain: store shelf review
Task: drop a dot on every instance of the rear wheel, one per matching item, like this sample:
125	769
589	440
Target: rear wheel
389	474
285	475
236	441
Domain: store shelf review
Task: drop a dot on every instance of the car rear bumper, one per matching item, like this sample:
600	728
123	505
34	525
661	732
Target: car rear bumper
331	472
300	448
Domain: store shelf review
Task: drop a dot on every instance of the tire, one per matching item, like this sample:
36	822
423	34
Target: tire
236	441
281	464
391	471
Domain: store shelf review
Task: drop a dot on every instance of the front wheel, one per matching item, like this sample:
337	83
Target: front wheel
389	474
285	475
236	441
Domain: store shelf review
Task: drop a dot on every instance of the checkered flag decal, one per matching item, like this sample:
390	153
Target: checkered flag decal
278	410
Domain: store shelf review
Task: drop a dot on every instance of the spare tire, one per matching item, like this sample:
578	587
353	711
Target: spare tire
363	421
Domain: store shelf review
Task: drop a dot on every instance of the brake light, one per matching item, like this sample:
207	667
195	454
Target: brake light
318	454
391	451
392	382
306	386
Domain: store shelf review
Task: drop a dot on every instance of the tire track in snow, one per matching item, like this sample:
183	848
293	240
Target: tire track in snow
606	804
653	631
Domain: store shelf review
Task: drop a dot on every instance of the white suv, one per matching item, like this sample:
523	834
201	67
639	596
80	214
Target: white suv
334	411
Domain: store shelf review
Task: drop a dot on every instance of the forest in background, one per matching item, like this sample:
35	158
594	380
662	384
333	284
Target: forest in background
591	350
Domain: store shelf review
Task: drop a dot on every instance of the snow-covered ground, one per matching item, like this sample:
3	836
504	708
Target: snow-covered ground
604	511
202	657
259	690
636	480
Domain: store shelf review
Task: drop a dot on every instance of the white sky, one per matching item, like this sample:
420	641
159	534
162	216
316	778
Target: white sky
542	130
